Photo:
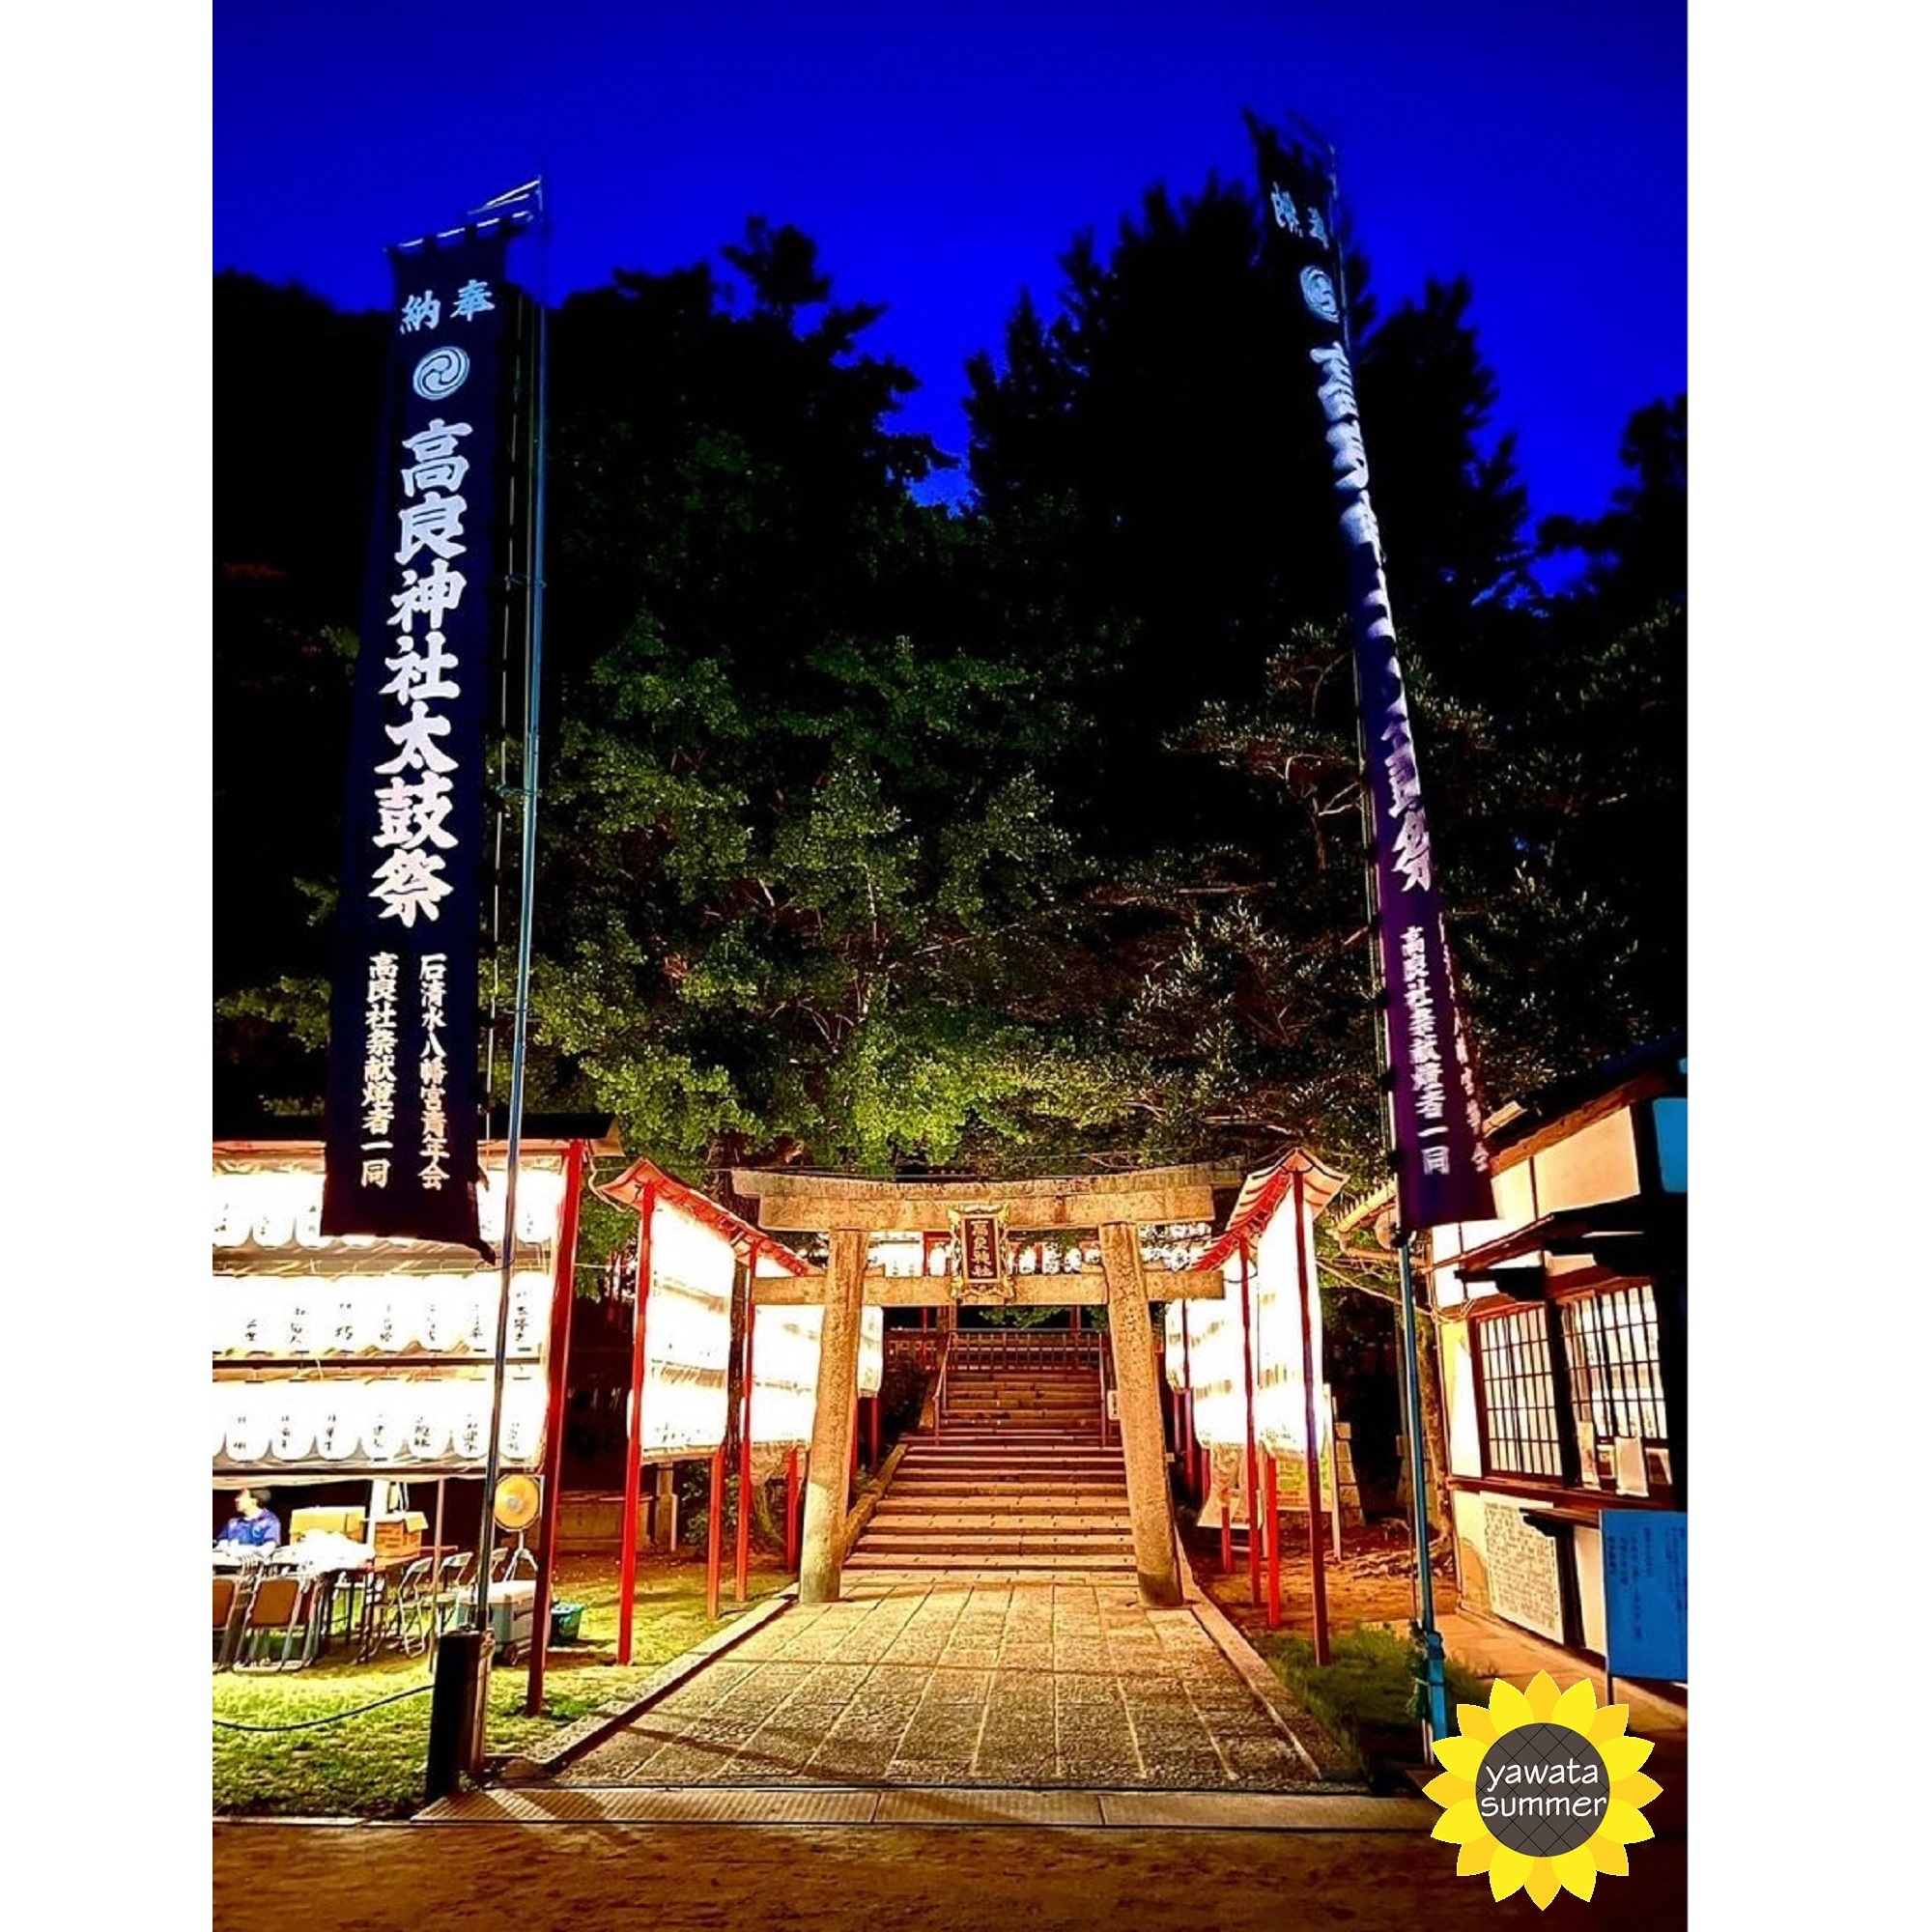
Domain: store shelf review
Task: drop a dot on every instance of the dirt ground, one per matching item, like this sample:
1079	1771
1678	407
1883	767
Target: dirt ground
1373	1582
886	1879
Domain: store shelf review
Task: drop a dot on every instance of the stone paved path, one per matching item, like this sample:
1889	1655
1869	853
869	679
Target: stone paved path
1057	1681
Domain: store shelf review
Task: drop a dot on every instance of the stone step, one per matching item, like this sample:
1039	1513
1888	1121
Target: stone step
1099	1563
997	1548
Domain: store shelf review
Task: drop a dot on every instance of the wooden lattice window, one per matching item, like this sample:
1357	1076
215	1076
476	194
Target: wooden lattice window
1616	1387
1516	1375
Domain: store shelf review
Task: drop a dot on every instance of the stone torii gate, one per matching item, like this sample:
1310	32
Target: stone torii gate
849	1212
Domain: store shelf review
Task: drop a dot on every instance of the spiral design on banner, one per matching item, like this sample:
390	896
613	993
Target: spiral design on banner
1318	291
441	373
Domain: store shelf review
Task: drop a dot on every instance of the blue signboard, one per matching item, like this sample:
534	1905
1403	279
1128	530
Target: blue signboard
1647	1594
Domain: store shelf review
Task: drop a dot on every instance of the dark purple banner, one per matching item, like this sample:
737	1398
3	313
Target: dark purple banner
1441	1164
402	1103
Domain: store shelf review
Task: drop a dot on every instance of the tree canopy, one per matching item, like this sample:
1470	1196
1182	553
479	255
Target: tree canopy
878	836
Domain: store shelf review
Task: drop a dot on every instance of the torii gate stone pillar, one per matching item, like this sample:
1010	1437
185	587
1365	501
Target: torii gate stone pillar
821	1552
1142	1436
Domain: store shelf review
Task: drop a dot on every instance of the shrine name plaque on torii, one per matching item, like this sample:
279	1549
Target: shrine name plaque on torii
849	1212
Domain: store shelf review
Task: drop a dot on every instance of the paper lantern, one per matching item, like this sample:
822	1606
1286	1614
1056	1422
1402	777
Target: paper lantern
292	1438
384	1425
429	1421
273	1205
300	1316
521	1440
338	1428
247	1423
470	1420
476	1313
529	1314
231	1211
309	1212
439	1313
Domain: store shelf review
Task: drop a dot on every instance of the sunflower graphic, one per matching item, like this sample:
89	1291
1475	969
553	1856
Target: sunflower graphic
1543	1790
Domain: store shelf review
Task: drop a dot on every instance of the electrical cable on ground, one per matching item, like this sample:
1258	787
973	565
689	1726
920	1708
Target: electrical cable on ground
334	1717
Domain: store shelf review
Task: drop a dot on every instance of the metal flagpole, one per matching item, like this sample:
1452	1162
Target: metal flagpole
1435	1687
526	892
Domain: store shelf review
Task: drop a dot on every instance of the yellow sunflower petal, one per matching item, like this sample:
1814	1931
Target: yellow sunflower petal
1473	1721
1462	1822
1625	1758
1611	1721
1543	1882
1577	1870
1509	1707
1576	1707
1640	1788
1445	1790
1460	1756
1623	1822
1541	1693
1474	1856
1607	1855
1508	1871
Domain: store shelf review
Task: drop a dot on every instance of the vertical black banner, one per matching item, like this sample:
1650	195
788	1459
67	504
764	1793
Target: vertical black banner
402	1105
1441	1164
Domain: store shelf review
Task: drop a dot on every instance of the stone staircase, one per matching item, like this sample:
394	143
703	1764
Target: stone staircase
1017	1480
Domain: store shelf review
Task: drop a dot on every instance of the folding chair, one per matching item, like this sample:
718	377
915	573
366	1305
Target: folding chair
280	1603
453	1577
224	1608
411	1612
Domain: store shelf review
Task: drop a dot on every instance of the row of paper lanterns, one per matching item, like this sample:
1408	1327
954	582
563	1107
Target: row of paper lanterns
306	1315
340	1420
1204	1349
282	1209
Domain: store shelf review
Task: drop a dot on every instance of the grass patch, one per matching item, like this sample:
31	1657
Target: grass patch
1366	1696
370	1765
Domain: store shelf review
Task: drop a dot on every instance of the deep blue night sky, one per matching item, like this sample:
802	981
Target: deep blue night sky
944	155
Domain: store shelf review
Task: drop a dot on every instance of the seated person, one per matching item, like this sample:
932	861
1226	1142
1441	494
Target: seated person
253	1523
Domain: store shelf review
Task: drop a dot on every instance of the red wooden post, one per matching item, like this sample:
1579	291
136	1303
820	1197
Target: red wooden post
742	1578
563	1296
791	1510
873	1400
634	1440
1273	1544
1227	1539
1311	1448
1253	1468
1187	1402
714	1548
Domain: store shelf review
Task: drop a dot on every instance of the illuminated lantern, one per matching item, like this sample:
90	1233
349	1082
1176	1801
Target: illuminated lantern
343	1324
384	1426
339	1429
231	1211
272	1224
430	1421
246	1436
292	1437
529	1314
439	1313
476	1313
309	1212
522	1439
470	1420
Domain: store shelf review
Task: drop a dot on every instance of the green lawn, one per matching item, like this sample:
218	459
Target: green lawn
1365	1696
370	1765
